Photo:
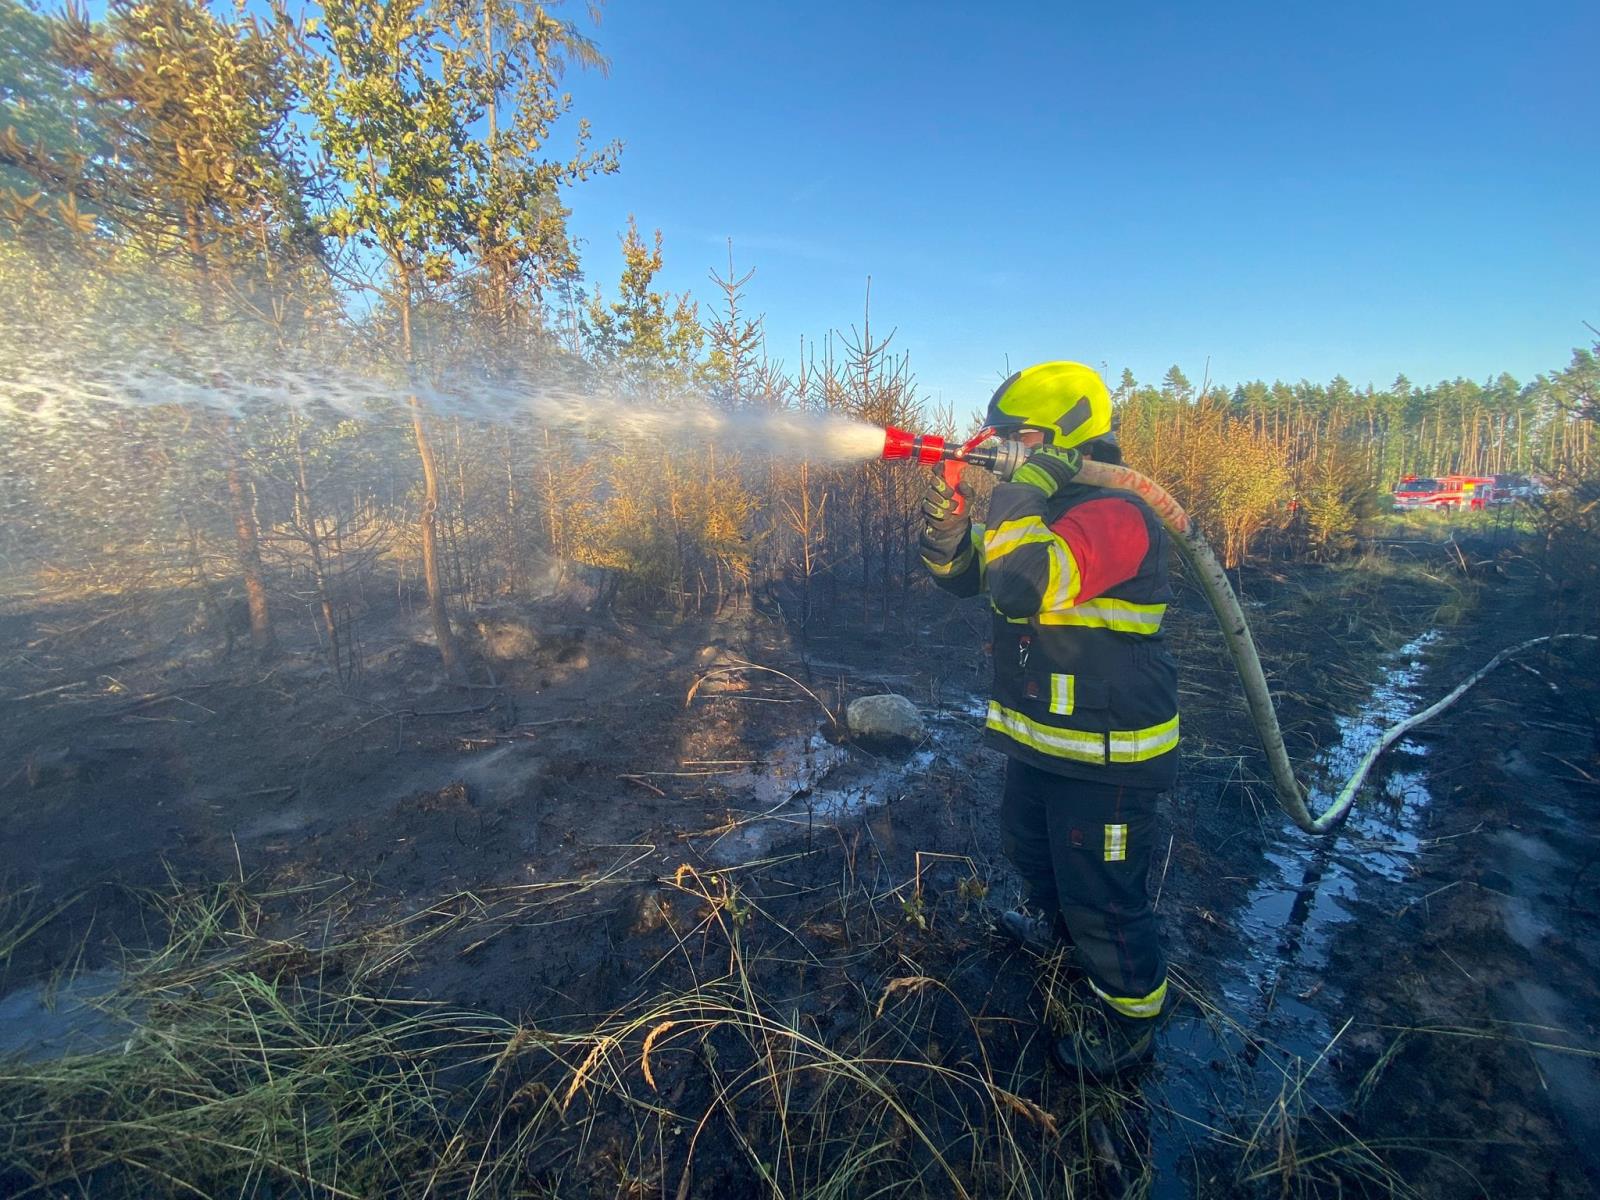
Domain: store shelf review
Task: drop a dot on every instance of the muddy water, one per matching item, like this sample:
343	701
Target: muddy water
800	787
1279	1010
48	1019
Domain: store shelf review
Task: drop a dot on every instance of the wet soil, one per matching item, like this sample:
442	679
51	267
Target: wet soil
1412	1001
1476	998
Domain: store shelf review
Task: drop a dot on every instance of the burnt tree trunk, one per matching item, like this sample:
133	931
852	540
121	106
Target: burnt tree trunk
247	536
313	535
427	523
247	533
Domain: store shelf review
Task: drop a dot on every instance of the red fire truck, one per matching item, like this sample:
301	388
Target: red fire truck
1446	491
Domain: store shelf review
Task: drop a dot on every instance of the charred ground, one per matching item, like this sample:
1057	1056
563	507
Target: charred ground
698	949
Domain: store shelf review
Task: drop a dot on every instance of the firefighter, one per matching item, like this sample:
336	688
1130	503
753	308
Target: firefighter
1085	702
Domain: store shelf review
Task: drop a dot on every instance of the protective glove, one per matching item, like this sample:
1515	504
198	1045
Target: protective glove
943	529
1049	469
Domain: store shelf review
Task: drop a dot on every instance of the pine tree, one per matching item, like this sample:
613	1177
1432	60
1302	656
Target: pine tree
1175	385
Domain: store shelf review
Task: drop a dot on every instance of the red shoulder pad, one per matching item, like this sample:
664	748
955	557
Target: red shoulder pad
1108	540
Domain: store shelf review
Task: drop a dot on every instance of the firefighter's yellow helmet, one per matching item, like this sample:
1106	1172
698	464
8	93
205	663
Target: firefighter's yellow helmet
1066	401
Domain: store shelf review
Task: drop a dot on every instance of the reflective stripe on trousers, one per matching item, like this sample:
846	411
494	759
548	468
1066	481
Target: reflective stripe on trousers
1134	1006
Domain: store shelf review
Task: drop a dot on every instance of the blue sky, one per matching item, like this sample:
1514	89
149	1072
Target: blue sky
1290	190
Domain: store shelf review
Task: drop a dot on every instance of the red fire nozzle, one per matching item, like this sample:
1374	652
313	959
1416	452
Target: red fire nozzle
925	449
930	450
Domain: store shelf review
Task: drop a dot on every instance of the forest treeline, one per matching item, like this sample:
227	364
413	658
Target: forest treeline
380	187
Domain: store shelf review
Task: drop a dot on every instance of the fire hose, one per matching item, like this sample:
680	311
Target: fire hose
1004	456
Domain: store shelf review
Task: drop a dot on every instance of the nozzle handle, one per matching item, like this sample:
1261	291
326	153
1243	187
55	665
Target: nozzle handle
951	469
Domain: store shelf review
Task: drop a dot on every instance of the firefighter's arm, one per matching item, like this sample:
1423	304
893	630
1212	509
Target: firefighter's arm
1033	568
961	575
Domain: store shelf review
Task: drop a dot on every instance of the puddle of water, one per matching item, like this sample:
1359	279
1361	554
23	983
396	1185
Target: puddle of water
1378	838
789	769
804	785
44	1020
1276	985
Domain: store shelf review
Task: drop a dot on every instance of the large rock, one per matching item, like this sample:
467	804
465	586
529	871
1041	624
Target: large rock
890	721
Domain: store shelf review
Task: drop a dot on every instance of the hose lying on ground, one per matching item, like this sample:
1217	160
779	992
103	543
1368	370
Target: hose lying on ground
1292	796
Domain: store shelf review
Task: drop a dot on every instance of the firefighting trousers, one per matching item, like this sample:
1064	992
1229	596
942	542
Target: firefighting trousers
1083	851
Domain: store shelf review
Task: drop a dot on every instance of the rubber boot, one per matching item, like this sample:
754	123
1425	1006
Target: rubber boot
1106	1045
1042	933
1043	936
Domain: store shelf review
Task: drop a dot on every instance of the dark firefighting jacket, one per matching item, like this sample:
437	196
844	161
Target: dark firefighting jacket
1083	683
